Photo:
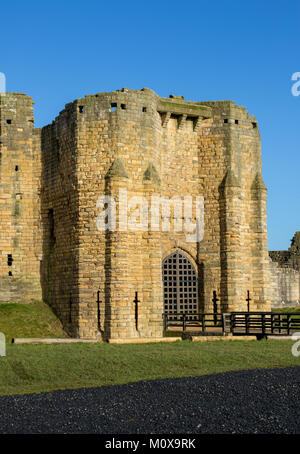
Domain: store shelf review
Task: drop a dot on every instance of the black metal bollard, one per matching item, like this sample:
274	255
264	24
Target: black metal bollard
215	300
248	299
98	309
136	310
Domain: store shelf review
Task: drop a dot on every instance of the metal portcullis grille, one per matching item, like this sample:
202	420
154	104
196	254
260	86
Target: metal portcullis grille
180	285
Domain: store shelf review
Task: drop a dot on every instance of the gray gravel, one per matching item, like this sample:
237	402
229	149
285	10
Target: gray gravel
254	401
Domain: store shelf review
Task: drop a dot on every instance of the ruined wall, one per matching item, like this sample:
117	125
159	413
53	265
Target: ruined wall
285	286
20	232
285	275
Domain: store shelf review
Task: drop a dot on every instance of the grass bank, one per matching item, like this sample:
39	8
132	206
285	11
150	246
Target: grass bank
34	319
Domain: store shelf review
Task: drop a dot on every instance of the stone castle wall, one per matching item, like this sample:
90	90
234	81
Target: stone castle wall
136	141
285	275
285	286
59	213
20	229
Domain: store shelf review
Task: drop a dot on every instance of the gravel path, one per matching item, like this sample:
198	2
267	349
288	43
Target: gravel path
254	401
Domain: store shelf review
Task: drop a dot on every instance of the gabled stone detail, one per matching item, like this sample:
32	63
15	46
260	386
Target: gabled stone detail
151	174
117	169
258	183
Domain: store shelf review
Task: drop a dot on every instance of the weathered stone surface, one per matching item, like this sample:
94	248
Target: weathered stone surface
285	275
20	227
117	169
135	141
151	174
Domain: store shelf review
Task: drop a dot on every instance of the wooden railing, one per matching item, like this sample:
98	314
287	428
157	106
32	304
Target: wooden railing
257	324
264	323
200	321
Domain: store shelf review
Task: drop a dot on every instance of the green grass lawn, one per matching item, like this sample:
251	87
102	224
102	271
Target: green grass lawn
34	319
36	368
287	310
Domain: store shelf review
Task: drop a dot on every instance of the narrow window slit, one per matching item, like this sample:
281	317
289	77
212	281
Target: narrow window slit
9	259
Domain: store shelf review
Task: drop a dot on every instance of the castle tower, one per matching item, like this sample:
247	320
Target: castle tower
118	136
127	148
20	233
229	164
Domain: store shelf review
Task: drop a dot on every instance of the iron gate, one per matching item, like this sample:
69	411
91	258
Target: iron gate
180	285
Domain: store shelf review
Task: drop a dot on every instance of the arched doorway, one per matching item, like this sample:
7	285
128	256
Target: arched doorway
180	285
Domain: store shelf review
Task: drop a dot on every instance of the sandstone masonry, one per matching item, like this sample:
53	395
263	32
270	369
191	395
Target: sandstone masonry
51	179
285	275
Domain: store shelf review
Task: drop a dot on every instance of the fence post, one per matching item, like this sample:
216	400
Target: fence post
215	300
183	323
224	323
272	323
247	323
263	321
203	323
280	323
232	319
288	324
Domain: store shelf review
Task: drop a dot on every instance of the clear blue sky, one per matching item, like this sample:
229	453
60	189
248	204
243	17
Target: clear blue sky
204	50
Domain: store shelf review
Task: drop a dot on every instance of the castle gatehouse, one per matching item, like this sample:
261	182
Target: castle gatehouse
125	149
